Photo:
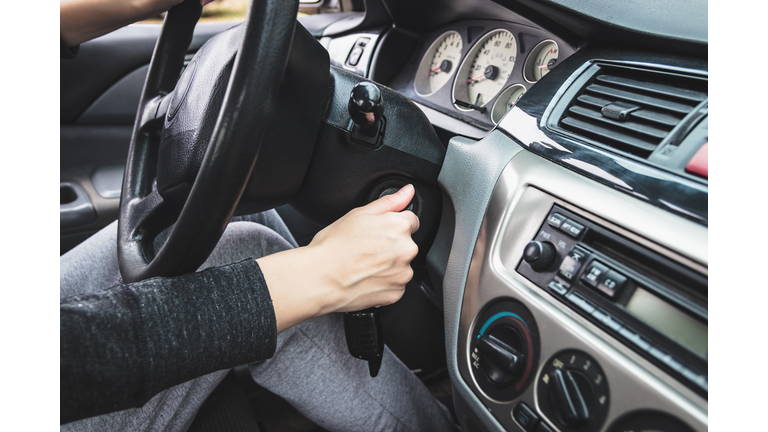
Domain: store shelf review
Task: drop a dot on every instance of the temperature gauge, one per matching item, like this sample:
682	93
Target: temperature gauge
542	59
506	101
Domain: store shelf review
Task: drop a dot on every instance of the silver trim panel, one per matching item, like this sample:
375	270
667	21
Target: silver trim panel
514	213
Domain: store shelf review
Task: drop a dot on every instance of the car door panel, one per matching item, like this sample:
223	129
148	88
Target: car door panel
99	95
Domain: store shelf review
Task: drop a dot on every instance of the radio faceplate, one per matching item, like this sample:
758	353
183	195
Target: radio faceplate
655	306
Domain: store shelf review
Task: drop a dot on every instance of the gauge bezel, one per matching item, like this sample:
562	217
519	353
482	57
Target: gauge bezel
500	97
534	52
472	54
424	64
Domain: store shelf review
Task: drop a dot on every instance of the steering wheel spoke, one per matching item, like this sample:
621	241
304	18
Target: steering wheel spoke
152	114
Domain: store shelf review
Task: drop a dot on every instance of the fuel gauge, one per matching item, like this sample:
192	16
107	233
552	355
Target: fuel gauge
438	64
542	59
506	101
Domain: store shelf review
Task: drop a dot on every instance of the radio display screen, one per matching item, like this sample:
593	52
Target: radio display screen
670	321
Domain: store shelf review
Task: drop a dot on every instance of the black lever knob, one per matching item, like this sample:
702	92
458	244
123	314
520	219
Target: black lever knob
365	338
571	396
502	355
366	107
540	255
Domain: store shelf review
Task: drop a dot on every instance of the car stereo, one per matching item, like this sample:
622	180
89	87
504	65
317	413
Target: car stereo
651	303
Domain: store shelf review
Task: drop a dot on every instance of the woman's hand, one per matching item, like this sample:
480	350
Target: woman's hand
359	261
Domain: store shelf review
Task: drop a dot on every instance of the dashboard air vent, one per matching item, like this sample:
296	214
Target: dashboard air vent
632	110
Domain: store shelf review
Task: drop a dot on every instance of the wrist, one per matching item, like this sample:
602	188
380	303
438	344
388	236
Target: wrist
296	282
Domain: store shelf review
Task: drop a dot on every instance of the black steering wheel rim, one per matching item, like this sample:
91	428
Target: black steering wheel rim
246	111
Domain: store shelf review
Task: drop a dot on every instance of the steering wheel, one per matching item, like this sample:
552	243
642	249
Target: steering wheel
200	208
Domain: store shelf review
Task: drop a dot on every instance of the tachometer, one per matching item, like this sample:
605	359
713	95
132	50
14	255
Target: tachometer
438	64
506	101
542	59
485	70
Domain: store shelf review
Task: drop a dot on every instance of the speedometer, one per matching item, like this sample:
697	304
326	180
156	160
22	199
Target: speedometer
485	70
439	64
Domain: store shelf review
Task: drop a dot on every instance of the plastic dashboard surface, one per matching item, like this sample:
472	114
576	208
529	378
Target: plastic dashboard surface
527	36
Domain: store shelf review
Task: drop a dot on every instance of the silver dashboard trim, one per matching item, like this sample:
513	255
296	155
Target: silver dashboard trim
515	211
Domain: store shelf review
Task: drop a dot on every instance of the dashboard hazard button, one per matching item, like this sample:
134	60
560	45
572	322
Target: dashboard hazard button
699	164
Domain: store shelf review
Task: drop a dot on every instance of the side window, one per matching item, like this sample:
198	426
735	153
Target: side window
218	10
235	10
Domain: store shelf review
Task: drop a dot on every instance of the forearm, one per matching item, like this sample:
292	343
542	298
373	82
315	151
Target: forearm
124	345
82	20
298	293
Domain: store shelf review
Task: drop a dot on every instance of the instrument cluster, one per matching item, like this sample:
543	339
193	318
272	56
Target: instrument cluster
478	70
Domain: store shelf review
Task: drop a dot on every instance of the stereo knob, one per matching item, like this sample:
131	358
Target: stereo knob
539	255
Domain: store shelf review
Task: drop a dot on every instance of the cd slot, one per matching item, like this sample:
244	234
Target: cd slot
673	282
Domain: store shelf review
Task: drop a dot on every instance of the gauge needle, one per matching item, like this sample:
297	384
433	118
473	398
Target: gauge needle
434	70
543	66
476	78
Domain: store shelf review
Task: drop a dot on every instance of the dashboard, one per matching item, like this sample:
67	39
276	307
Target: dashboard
571	260
477	70
572	254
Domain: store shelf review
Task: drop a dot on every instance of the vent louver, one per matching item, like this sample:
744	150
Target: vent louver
632	110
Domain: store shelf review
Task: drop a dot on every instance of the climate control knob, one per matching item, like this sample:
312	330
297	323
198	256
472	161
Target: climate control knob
502	356
573	392
504	350
539	255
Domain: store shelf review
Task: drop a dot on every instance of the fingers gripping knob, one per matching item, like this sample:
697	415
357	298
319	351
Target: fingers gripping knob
393	190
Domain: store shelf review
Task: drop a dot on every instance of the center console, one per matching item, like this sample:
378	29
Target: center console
584	310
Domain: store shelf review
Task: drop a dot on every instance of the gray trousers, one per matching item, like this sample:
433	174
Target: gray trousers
311	367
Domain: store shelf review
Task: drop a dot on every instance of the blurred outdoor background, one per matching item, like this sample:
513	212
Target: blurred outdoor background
234	10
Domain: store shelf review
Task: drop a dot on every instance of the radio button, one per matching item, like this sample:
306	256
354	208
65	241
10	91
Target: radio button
594	273
572	228
557	287
611	283
635	339
581	303
600	315
659	354
613	324
693	376
674	364
555	220
571	264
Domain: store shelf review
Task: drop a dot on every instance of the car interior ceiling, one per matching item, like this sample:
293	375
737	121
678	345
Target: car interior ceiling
559	152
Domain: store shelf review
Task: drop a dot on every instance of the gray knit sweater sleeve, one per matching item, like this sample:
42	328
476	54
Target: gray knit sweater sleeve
125	344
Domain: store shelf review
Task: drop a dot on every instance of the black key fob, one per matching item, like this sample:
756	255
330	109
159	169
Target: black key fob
365	337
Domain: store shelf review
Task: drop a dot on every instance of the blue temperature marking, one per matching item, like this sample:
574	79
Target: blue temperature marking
497	316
